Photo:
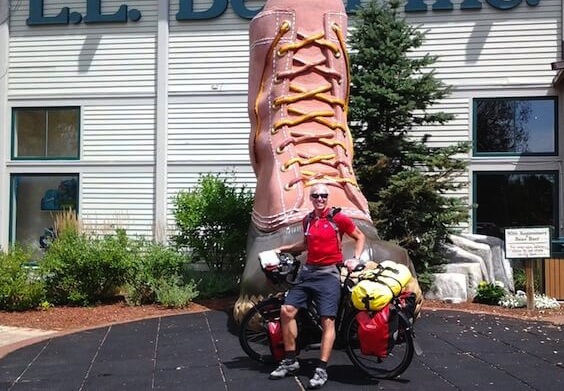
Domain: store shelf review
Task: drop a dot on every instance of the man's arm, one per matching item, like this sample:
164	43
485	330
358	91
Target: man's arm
296	248
359	239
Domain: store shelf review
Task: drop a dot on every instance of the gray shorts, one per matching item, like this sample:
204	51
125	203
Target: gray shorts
319	283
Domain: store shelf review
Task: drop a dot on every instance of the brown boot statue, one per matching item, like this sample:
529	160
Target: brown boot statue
298	100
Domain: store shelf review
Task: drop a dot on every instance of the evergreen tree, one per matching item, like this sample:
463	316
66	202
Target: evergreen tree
405	180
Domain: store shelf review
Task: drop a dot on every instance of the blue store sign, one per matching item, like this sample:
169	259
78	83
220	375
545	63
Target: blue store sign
446	5
186	11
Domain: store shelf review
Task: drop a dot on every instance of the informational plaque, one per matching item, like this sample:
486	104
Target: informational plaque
523	243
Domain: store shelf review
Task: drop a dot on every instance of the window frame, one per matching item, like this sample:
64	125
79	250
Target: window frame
46	109
476	153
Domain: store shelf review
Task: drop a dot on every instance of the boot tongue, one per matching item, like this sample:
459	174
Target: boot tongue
307	11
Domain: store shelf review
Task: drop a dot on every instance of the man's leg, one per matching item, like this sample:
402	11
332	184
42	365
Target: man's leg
289	327
289	365
320	376
327	338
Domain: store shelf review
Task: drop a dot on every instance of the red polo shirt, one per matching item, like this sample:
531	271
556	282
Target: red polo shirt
323	246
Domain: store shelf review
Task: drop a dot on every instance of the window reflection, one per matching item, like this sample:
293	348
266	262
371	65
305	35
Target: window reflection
517	126
36	199
46	133
507	200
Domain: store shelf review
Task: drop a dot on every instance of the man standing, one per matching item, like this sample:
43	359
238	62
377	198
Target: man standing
318	280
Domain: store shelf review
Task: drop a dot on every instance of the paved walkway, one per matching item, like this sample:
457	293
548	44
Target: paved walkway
201	351
11	335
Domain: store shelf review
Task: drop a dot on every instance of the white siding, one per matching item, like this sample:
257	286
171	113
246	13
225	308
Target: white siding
80	59
209	56
118	200
491	48
209	129
118	133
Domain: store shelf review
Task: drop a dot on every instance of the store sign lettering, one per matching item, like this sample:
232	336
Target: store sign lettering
125	14
218	7
446	5
93	14
186	10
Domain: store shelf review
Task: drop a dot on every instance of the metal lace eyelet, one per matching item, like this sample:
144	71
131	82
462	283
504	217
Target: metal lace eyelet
288	187
284	168
276	79
273	131
338	54
280	150
279	53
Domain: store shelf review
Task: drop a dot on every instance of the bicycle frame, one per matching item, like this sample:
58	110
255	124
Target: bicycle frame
309	319
256	341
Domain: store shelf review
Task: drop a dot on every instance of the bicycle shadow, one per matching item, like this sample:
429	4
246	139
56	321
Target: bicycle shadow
338	373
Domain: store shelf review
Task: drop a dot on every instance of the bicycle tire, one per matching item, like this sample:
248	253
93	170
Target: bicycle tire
253	329
397	361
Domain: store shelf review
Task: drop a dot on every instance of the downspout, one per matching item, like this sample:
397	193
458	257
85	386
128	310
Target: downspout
161	125
4	124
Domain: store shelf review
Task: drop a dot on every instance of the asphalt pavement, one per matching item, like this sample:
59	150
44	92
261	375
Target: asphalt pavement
200	351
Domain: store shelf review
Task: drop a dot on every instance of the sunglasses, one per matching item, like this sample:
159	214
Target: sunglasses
316	196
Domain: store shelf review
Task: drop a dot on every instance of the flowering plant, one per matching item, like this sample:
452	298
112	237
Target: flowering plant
490	292
519	299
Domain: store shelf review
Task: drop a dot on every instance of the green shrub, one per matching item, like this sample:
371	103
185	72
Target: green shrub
213	284
173	292
19	288
155	263
490	293
213	220
83	270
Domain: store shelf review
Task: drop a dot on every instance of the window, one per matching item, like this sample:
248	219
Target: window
515	126
514	199
46	133
36	200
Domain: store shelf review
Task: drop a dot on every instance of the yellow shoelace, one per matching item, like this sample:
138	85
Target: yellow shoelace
321	93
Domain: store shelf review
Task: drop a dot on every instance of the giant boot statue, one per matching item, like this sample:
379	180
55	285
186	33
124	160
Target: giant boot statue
298	100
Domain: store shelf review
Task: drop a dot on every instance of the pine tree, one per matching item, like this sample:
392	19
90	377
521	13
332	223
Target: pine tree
406	181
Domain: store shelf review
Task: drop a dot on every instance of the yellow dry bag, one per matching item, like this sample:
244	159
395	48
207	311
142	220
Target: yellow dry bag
377	287
371	295
395	275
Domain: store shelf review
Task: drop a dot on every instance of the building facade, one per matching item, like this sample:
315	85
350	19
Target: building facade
113	106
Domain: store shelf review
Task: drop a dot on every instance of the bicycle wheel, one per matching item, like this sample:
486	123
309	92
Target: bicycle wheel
389	367
253	331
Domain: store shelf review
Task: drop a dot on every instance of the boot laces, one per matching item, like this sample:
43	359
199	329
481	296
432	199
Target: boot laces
336	165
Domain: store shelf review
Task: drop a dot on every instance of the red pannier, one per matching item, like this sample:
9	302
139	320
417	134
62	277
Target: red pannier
377	331
275	339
